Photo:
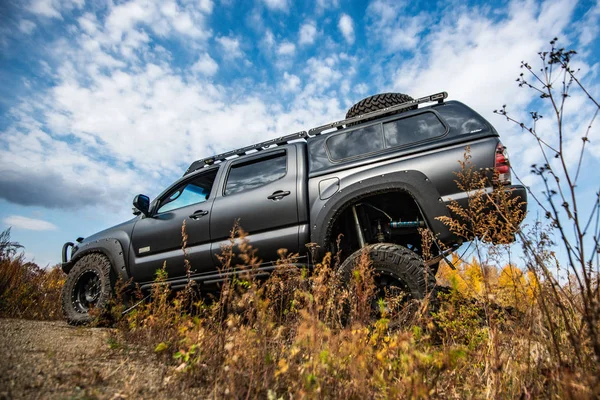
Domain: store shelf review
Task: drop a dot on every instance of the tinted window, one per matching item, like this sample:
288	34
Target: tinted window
355	143
194	191
461	118
413	129
253	174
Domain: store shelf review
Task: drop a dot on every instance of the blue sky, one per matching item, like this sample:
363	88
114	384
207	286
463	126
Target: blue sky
101	100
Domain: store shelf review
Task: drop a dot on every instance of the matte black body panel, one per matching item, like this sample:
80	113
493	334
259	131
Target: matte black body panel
414	183
160	236
158	239
270	224
267	243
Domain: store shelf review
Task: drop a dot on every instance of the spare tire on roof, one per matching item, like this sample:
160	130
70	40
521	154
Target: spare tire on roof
379	101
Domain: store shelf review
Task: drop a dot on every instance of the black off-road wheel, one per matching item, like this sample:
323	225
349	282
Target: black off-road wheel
379	101
89	285
398	271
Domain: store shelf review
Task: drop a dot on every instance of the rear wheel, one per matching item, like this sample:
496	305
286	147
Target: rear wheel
89	285
399	272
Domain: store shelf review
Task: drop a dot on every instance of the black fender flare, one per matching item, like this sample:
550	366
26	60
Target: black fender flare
414	183
111	248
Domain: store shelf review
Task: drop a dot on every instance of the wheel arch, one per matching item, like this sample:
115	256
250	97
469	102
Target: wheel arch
111	248
413	183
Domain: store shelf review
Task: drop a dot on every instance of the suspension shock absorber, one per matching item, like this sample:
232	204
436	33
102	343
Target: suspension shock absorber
359	232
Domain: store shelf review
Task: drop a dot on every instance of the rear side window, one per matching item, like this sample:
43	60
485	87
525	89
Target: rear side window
461	118
256	173
410	130
355	143
374	138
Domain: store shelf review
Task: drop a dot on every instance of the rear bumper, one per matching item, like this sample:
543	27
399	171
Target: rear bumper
518	192
510	203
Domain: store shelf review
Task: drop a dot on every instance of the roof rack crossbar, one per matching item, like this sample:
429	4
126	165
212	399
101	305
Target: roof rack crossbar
204	162
439	97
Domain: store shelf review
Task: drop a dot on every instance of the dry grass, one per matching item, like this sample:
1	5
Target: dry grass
304	335
28	291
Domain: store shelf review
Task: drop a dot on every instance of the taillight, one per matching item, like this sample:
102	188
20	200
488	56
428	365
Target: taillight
502	166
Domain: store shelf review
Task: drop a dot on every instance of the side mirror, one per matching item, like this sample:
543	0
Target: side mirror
141	202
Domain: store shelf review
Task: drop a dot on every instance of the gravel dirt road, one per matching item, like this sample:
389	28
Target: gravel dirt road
52	360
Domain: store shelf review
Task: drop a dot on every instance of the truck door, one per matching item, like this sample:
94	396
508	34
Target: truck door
260	191
158	238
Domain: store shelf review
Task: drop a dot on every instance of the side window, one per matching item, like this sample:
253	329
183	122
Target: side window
355	143
256	173
412	129
194	191
462	119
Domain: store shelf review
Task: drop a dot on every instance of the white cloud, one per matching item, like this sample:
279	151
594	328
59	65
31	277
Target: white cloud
466	48
88	23
308	33
26	26
323	72
164	18
291	82
464	56
205	65
589	26
206	6
31	224
286	49
277	5
44	8
53	8
230	46
268	39
323	5
346	26
393	27
361	89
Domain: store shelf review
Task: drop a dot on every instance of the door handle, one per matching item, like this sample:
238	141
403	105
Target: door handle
198	214
278	195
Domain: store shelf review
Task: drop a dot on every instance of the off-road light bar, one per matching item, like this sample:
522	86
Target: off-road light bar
439	97
196	165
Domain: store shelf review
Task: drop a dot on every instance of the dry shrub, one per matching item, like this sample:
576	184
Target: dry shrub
303	334
28	291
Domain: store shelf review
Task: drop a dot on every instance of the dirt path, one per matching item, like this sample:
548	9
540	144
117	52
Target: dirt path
52	360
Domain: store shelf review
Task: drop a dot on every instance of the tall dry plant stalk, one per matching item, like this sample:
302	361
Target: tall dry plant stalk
563	205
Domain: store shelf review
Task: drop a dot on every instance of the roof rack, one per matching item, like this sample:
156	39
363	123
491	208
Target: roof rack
196	165
439	97
205	162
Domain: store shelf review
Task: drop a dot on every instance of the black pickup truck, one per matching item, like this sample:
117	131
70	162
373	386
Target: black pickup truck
375	178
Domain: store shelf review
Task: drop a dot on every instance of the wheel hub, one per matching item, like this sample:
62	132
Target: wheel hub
86	291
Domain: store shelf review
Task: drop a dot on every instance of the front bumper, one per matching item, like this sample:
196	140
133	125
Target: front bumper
66	264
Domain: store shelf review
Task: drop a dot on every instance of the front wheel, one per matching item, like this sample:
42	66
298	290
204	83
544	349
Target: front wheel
89	285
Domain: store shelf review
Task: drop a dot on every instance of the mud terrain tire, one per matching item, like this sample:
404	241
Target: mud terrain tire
377	102
394	264
89	285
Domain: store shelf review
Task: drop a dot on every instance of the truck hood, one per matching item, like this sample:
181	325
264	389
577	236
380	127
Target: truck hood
112	232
